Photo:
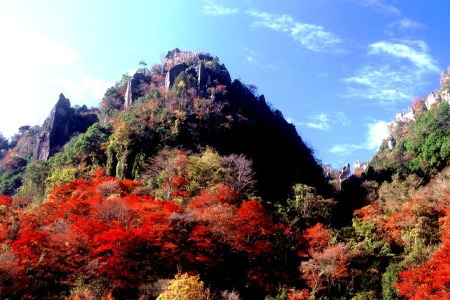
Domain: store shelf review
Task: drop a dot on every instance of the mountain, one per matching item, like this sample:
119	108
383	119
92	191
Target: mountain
418	140
180	167
189	103
187	183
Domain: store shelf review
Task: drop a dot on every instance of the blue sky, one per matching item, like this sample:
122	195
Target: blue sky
337	69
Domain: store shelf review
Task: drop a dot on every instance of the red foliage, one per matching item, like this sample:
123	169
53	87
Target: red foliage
432	279
412	212
221	87
299	295
325	267
5	200
317	237
253	229
100	229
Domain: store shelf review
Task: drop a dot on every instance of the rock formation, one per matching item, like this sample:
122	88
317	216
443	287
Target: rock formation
62	123
345	173
128	96
173	73
205	68
392	142
445	78
135	88
359	167
405	117
441	95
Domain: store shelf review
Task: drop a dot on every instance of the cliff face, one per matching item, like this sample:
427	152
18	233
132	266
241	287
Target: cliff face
198	65
62	123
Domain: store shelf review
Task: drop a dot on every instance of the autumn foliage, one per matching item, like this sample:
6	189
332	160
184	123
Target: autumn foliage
203	191
431	280
102	231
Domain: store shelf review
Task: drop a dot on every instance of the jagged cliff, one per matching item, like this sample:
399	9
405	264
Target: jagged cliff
61	124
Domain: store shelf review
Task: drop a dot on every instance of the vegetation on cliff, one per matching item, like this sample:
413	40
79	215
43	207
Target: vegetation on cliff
190	184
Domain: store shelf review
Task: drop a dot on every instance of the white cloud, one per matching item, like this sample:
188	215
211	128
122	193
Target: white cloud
35	70
28	58
27	47
396	71
320	121
249	55
310	36
383	84
419	56
254	58
380	5
403	25
212	8
325	122
377	131
83	88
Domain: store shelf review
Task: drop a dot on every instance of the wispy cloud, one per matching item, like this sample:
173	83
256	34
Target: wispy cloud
377	131
325	121
249	54
380	5
403	25
313	37
254	58
395	73
383	84
414	51
210	7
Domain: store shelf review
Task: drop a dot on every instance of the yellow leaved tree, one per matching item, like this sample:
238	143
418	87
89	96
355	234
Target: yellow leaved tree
185	287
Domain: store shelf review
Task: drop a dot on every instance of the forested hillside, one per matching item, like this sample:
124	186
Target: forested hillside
185	182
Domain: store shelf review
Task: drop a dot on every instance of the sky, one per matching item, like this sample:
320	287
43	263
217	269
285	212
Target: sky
339	70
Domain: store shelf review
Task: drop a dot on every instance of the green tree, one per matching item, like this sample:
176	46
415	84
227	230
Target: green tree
306	208
34	181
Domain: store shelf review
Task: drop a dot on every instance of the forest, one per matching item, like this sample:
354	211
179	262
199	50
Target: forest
190	185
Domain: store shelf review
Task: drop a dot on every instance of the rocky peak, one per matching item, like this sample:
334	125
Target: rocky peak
445	78
202	66
61	124
345	173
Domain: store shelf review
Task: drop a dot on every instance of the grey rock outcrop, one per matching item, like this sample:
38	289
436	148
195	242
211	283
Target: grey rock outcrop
445	78
136	88
54	130
62	123
173	73
207	70
345	173
392	142
128	96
